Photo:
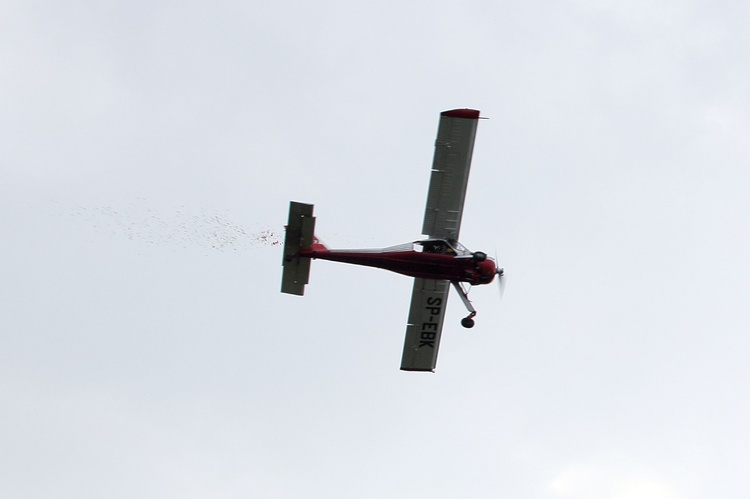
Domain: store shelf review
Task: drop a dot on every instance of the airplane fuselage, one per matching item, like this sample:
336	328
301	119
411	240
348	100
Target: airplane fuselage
456	268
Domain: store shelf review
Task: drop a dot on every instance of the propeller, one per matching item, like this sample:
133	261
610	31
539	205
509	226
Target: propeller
500	277
501	282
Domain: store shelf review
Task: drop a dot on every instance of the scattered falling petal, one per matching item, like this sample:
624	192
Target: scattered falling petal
177	228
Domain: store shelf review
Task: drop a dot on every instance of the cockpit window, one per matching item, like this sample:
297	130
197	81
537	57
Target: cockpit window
441	246
459	248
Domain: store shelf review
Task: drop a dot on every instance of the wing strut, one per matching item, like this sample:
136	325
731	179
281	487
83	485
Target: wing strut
467	321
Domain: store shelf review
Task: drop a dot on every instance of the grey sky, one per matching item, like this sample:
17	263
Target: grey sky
139	358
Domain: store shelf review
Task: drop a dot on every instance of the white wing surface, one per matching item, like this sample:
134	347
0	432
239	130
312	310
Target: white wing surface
428	300
450	173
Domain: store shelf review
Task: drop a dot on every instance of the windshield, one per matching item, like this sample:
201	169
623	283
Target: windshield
441	246
460	248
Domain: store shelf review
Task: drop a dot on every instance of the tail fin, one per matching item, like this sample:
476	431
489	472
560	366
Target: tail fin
318	245
299	236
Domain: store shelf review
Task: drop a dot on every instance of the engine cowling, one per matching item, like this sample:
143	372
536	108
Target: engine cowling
479	256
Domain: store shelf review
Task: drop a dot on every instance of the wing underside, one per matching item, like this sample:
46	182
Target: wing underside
442	220
426	315
450	173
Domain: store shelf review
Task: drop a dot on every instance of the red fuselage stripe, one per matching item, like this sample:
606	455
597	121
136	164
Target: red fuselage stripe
415	264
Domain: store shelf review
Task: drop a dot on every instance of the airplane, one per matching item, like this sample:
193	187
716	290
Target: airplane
434	262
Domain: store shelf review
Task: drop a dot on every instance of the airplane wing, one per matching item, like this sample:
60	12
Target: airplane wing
426	315
450	173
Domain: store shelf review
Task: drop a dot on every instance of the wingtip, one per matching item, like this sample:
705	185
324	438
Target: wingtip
469	114
417	370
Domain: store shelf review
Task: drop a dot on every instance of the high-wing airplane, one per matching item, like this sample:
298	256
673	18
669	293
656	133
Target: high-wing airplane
433	262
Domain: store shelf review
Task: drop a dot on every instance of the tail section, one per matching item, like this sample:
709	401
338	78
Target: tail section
299	236
318	245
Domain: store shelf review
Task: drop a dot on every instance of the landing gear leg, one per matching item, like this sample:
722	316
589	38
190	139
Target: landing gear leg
468	321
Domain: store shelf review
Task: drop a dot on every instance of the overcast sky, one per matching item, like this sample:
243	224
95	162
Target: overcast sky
148	154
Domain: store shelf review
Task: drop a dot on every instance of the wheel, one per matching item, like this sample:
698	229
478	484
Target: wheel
467	322
479	256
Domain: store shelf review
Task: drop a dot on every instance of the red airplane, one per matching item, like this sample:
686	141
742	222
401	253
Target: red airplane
433	262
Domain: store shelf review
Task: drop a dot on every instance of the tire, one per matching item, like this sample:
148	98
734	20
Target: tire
467	322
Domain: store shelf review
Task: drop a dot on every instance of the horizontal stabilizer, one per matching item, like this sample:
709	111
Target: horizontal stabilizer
299	236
